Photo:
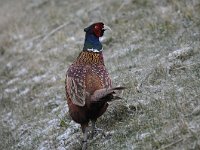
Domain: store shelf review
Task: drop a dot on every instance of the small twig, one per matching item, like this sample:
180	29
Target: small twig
121	6
171	144
138	88
53	32
35	38
125	2
182	67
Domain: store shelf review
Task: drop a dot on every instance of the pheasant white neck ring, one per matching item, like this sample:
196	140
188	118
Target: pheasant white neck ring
94	50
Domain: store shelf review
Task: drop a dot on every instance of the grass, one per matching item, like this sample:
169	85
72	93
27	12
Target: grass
153	50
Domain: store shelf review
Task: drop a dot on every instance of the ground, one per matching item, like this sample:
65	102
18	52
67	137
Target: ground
153	50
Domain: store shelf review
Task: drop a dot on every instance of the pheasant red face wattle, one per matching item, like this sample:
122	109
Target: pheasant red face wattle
98	29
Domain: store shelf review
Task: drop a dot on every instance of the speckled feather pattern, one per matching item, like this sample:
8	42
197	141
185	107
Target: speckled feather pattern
86	75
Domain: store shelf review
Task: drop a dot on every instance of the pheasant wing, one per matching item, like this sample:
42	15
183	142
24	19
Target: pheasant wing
82	82
75	85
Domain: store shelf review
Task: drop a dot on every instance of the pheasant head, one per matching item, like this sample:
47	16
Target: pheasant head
93	33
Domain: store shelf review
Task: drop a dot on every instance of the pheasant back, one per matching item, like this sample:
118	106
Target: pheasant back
86	75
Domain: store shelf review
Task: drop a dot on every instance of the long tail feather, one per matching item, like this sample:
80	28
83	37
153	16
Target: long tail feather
103	93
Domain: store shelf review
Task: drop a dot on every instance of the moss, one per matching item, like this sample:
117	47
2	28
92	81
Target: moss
63	124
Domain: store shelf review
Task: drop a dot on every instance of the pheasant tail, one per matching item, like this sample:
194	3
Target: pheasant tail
106	94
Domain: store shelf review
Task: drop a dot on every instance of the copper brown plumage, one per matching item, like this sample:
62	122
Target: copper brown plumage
88	85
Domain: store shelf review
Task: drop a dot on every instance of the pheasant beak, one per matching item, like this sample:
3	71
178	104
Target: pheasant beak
106	28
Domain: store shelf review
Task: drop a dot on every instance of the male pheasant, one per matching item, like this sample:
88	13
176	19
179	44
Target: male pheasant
88	85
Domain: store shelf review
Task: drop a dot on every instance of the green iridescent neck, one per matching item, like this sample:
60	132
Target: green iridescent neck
92	43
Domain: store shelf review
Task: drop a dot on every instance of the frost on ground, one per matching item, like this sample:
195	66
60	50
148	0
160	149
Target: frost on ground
153	50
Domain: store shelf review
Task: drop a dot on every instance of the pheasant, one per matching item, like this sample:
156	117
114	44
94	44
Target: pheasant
88	85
